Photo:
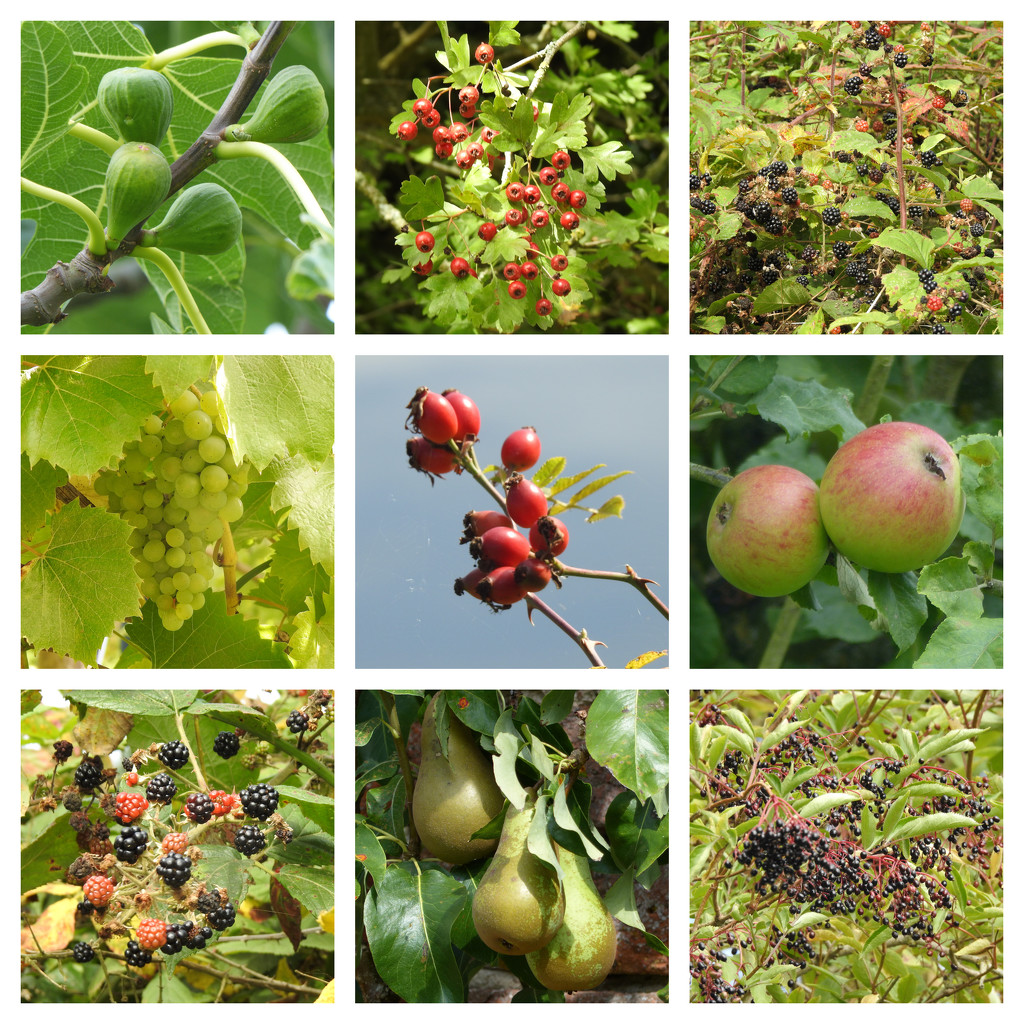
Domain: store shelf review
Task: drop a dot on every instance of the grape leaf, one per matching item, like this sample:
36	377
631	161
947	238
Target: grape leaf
210	639
312	643
37	493
293	576
175	374
76	411
310	492
82	582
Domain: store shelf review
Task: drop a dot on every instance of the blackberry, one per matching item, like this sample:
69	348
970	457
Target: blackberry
83	952
694	182
809	253
990	252
939	329
197	940
926	275
889	117
831	216
843	157
249	840
136	956
872	40
88	775
161	789
773	183
865	71
805	281
762	211
789	195
780	166
876	176
915	211
754	261
862	169
707	207
744	187
222	917
770	275
955	310
929	159
226	744
177	934
707	177
960	99
175	869
62	750
85	908
890	135
746	279
131	844
259	801
773	225
929	286
901	60
926	60
977	229
297	722
199	807
174	754
841	250
853	85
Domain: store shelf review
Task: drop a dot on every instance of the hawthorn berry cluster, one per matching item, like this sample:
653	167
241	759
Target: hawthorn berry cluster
540	203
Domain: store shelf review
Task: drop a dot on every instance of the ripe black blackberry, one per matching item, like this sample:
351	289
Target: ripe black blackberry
853	85
901	60
864	71
789	195
773	183
199	807
844	157
762	211
862	169
774	225
955	310
872	40
225	744
136	956
249	840
85	908
890	135
831	216
803	280
876	175
915	211
694	182
889	117
259	801
929	159
222	917
744	185
977	230
161	789
706	206
769	275
88	774
298	722
841	250
809	253
174	754
175	869
130	845
177	934
83	952
990	252
707	177
779	167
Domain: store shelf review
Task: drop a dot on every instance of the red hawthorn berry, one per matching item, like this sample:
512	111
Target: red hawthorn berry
407	131
441	134
543	307
547	175
525	501
531	194
484	53
520	450
467	110
422	107
499	587
423	269
488	134
570	220
466	412
536	111
559	261
487	230
513	218
560	159
460	268
517	289
560	286
465	160
560	193
578	199
478	523
539	218
432	120
532	575
458	132
432	414
443	150
475	150
529	270
501	545
469	94
515	192
549	536
424	241
511	272
429	458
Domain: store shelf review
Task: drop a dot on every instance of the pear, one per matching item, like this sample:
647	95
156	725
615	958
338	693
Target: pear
454	798
519	904
583	950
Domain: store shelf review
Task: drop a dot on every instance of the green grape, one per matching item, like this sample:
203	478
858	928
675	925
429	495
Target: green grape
136	520
232	510
152	498
150	588
153	551
181	580
165	602
160	567
184	596
132	501
135	462
184	404
187	486
144	570
200	517
154	514
153	425
183	611
167	586
197	584
174	513
229	465
198	600
172	622
175	537
119	484
196	544
214	531
174	434
208	403
151	446
169	467
175	558
138	537
212	448
213	500
201	560
114	503
192	461
101	485
213	478
198	425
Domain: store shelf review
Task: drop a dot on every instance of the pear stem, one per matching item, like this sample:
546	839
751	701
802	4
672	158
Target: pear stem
391	723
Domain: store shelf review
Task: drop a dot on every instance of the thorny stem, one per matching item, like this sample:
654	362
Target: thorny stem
588	646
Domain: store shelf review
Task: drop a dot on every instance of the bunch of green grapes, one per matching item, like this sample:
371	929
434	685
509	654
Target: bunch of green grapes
176	487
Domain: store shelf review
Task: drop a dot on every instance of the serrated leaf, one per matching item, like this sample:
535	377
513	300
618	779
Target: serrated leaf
309	490
38	487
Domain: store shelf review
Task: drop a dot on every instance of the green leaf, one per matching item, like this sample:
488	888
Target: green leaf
912	827
608	160
309	490
38	485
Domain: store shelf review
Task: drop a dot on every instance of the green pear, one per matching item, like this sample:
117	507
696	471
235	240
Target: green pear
583	950
454	798
519	904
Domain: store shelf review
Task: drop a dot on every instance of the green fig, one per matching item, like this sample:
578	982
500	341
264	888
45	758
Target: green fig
204	219
293	108
519	903
583	950
137	181
454	798
138	103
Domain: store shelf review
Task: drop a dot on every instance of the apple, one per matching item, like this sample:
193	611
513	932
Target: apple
891	498
765	533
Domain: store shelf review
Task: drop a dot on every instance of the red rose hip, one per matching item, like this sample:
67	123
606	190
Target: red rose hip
466	413
525	501
520	450
549	536
432	415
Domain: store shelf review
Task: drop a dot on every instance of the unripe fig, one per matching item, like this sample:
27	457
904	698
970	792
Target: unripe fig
293	108
204	219
138	177
138	104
